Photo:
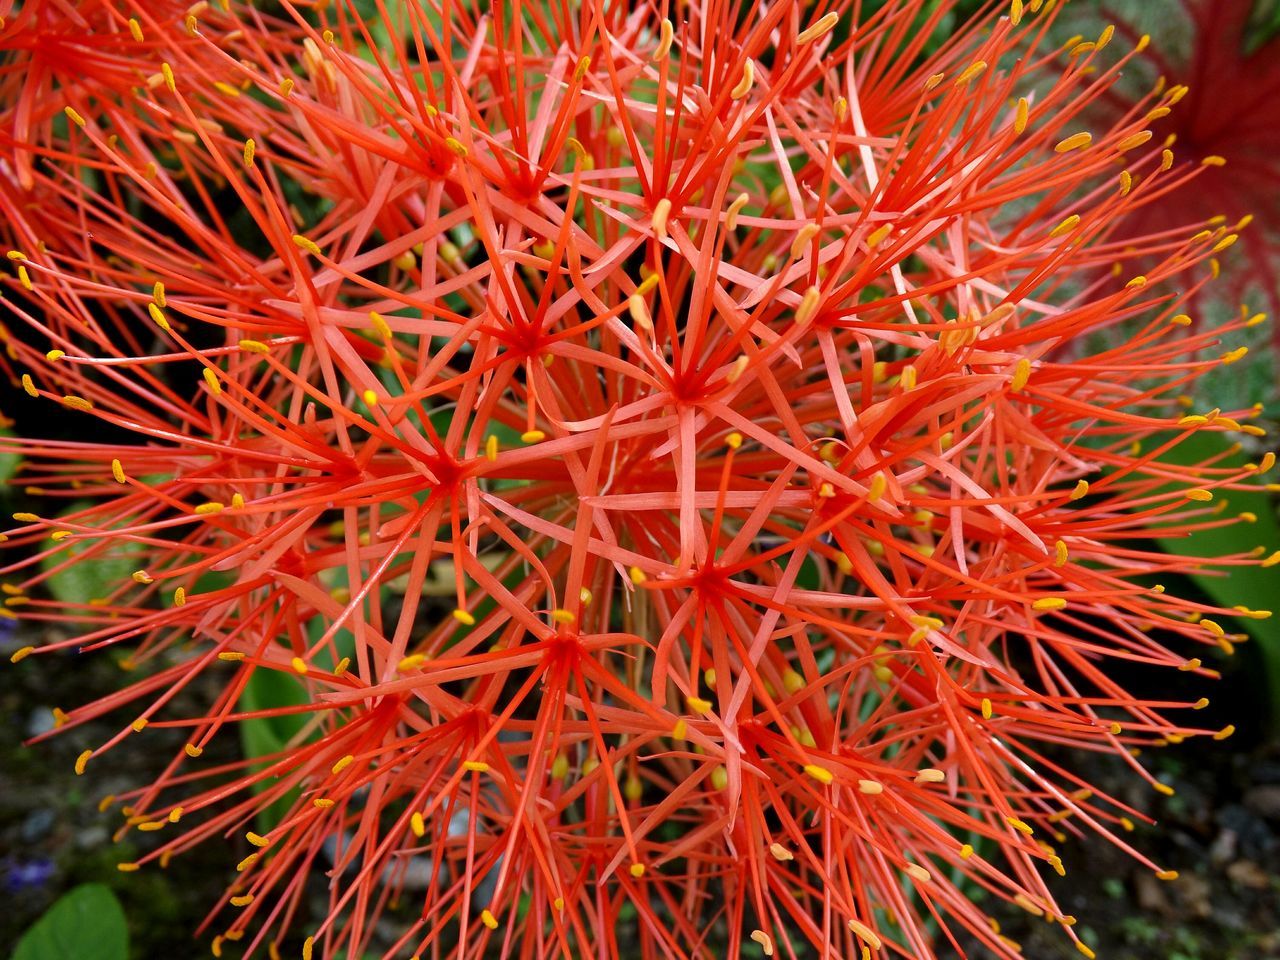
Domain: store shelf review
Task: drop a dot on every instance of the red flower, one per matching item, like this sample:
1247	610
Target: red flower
646	445
1228	119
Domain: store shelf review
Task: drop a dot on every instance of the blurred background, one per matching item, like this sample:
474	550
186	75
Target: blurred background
1221	830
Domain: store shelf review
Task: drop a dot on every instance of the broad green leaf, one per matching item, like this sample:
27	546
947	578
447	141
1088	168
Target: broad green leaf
84	924
8	461
102	565
264	736
1250	586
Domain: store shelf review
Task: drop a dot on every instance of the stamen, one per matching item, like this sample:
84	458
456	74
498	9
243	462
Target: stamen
819	28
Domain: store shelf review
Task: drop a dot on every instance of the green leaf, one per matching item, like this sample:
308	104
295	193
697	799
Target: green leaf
102	566
264	736
1250	586
8	461
85	924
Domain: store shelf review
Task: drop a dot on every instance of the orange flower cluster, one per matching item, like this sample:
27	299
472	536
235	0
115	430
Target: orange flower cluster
663	450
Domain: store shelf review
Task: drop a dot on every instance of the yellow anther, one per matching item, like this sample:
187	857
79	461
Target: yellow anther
666	33
1020	825
636	870
637	575
307	244
417	824
29	386
1015	12
140	724
342	764
379	325
456	146
930	775
808	306
533	436
966	851
1199	495
819	28
1049	603
299	665
322	803
475	766
213	506
1066	226
1214	161
1076	141
865	933
1081	488
192	751
804	236
735	208
1134	141
127	867
986	708
908	377
411	662
780	853
252	346
464	617
1231	356
872	788
743	86
1225	732
117	471
639	311
971	72
77	403
698	705
918	873
661	213
242	901
488	919
1027	904
1021	374
821	774
166	71
562	616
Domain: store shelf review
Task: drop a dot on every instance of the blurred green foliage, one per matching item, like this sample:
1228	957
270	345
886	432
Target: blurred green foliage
86	923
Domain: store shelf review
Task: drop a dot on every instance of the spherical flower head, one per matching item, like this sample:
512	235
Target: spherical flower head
1198	52
659	471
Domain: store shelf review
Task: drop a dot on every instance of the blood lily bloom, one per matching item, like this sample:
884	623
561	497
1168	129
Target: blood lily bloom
1202	50
644	447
